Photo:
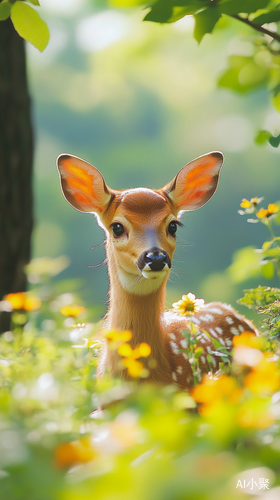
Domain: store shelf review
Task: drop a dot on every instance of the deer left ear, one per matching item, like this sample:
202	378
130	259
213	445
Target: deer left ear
196	182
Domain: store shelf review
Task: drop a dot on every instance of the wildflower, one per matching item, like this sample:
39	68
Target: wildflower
188	305
21	300
72	310
250	204
247	339
134	367
264	377
212	390
67	454
271	210
114	335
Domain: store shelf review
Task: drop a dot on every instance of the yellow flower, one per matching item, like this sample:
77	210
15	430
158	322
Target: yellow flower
271	210
188	305
115	335
250	204
130	356
72	310
21	300
67	454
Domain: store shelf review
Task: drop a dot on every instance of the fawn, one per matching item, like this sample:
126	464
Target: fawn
140	226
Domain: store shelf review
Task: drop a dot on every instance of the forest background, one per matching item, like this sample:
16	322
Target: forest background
138	101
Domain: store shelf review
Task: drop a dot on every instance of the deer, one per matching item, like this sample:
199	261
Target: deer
140	225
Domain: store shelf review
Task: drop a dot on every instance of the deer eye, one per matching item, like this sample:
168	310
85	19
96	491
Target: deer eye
118	229
172	228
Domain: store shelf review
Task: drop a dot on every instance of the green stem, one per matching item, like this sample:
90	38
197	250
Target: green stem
256	27
268	224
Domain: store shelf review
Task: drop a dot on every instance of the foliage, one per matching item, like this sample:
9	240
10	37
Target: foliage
249	261
149	442
26	21
245	72
266	301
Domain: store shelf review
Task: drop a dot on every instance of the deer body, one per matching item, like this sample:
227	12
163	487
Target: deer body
140	226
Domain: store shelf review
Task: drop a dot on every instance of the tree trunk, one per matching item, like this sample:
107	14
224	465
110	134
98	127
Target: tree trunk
16	158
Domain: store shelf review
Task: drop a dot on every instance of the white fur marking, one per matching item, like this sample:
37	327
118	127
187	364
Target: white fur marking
174	376
215	310
203	359
229	320
219	330
234	331
185	355
241	328
207	317
214	362
228	307
222	341
208	348
212	332
228	342
184	344
194	320
174	347
172	336
179	369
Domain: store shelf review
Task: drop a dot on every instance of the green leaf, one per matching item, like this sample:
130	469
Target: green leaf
267	270
29	25
242	6
269	17
179	12
160	12
34	2
271	252
5	9
245	265
276	101
267	244
205	22
262	137
274	141
244	75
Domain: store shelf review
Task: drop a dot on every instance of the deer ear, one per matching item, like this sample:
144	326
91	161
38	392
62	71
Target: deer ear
83	185
196	182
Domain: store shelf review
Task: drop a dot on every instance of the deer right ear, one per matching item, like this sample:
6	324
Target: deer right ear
195	183
83	185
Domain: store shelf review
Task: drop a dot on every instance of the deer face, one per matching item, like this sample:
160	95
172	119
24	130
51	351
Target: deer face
140	223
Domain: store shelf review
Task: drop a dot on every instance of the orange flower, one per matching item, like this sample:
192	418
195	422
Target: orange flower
213	390
264	377
72	310
248	339
67	454
271	210
21	300
188	305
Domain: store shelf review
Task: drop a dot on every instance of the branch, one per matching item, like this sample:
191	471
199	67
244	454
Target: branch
257	27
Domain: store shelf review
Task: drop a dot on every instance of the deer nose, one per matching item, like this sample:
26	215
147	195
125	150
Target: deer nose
154	259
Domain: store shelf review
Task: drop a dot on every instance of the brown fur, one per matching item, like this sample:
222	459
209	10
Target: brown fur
137	296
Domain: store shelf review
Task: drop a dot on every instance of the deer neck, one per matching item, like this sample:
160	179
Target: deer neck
140	313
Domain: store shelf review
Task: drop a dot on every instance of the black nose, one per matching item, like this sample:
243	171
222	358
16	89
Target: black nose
155	258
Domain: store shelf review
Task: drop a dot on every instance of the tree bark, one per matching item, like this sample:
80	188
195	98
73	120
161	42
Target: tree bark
16	159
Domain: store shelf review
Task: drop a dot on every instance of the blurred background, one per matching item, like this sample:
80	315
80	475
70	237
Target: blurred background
138	101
